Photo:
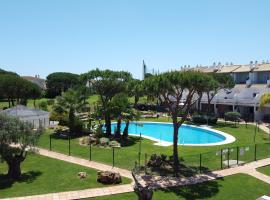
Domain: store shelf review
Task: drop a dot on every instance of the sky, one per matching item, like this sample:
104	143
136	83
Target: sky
46	36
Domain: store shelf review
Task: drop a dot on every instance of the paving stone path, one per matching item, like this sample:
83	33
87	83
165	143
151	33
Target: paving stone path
156	182
250	169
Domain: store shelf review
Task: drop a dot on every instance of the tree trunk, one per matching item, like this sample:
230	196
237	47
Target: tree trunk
108	125
199	102
71	118
118	128
175	145
136	100
14	168
125	132
208	104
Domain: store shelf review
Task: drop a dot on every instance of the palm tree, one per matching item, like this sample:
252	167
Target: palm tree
70	102
265	99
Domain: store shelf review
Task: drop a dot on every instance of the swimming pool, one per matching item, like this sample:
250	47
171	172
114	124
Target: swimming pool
191	135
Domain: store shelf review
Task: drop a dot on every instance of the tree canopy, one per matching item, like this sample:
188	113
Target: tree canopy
15	137
68	104
7	72
265	99
106	84
178	90
214	82
59	82
136	90
13	87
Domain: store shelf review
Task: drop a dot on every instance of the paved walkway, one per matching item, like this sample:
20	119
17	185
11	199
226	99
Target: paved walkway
156	182
250	169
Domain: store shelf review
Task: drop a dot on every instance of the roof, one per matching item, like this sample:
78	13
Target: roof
242	68
23	111
228	69
262	67
31	78
38	81
208	70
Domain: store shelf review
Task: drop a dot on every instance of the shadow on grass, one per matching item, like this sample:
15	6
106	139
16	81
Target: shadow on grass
198	191
28	177
165	168
132	140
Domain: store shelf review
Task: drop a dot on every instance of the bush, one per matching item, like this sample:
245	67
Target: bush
212	119
50	102
61	131
199	119
232	116
61	118
77	126
84	140
43	105
202	119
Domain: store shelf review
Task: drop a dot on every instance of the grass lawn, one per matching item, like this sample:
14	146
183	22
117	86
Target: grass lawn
30	103
265	170
46	175
126	156
236	187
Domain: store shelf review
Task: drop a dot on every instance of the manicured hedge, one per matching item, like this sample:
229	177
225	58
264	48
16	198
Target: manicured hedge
232	116
202	119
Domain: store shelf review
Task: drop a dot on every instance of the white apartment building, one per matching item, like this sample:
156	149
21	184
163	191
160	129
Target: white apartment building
251	82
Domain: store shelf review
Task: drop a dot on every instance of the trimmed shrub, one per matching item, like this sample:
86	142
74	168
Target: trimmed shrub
202	119
232	116
199	119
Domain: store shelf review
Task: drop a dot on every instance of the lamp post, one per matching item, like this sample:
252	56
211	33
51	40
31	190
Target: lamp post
140	141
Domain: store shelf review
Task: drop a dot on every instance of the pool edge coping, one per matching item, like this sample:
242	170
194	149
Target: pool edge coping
228	138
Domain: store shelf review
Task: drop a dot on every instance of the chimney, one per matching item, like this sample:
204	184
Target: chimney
251	65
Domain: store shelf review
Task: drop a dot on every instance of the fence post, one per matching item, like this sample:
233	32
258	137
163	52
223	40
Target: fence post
200	163
140	147
237	155
50	142
228	157
221	157
113	155
255	152
69	145
255	132
90	151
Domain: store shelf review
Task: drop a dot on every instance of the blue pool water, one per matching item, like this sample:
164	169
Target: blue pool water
164	132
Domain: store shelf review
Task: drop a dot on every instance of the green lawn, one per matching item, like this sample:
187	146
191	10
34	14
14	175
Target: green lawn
46	175
126	156
265	170
30	103
236	187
